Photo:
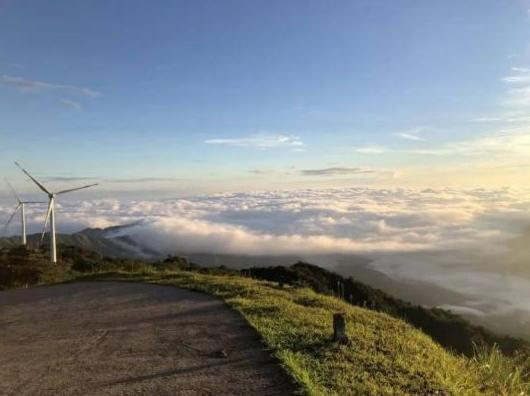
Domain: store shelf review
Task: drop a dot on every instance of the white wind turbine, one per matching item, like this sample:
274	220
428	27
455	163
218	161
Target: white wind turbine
22	206
50	214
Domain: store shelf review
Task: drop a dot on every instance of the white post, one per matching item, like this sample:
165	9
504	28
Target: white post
23	214
53	251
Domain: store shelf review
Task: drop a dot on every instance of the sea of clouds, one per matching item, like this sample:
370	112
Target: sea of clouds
472	241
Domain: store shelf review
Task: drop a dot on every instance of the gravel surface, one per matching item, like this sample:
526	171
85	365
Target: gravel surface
113	338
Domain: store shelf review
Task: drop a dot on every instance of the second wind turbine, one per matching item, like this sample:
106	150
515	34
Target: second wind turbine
50	214
22	206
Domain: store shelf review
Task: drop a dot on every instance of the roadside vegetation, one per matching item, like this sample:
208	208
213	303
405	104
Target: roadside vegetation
384	355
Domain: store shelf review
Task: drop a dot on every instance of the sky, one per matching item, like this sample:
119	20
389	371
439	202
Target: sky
189	97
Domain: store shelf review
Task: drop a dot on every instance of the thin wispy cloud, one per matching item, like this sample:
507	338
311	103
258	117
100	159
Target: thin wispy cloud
518	93
143	180
409	136
13	65
337	171
372	150
264	141
521	69
67	179
516	79
518	97
32	86
509	144
486	119
70	104
258	172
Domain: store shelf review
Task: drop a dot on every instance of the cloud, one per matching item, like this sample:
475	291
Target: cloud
518	97
345	219
516	79
65	178
264	141
258	172
486	119
70	104
522	76
372	150
337	171
143	180
518	94
521	69
409	136
191	236
510	144
12	64
109	180
32	86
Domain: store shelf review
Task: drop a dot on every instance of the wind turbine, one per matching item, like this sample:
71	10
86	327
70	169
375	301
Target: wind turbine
22	205
50	214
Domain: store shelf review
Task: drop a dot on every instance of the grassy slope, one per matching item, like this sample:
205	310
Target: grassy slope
386	356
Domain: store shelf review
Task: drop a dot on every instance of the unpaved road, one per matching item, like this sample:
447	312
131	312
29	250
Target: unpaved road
113	338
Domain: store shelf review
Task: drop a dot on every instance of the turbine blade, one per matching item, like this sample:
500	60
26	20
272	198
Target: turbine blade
13	191
75	189
11	218
48	213
32	202
32	178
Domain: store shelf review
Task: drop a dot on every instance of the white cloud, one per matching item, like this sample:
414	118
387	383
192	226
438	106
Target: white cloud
261	141
516	79
518	97
372	150
32	86
337	171
510	144
518	94
412	134
70	104
486	119
409	136
340	220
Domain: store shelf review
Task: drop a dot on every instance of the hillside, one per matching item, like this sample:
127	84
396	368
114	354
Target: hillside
448	329
384	355
19	266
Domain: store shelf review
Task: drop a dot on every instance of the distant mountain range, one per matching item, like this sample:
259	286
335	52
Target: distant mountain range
110	242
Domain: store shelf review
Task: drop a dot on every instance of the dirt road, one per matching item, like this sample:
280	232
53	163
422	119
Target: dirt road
112	338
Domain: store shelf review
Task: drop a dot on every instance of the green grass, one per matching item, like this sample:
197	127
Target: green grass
385	356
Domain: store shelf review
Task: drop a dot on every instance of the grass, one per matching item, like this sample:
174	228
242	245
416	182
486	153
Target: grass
384	356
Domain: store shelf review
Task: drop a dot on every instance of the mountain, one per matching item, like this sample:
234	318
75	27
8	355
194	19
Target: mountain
109	242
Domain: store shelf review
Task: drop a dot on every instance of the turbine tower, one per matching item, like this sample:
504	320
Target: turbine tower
22	206
50	214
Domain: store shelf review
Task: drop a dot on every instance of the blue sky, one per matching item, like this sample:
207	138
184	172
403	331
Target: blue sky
218	95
